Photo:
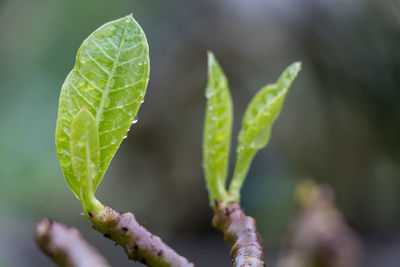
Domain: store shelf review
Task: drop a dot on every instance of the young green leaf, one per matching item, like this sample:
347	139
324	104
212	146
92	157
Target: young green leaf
217	130
85	154
258	120
85	148
110	79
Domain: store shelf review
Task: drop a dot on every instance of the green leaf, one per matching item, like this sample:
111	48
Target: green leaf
85	148
110	79
85	153
217	130
258	120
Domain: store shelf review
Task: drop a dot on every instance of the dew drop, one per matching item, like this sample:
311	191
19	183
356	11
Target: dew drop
126	136
135	120
210	92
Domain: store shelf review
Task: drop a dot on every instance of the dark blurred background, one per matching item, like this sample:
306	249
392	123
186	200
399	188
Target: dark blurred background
340	124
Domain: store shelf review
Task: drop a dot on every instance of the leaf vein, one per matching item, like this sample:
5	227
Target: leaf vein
103	51
130	47
90	82
128	61
82	97
112	43
126	86
97	63
111	130
121	107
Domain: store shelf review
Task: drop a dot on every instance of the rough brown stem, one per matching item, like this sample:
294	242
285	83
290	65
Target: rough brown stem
66	246
239	231
138	242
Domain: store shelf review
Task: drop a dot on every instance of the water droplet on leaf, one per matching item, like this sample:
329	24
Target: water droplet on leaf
135	120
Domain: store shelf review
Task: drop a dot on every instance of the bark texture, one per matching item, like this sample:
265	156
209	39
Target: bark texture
66	246
239	231
139	244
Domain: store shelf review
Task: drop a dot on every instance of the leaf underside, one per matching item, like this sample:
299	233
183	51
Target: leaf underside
217	130
257	123
109	79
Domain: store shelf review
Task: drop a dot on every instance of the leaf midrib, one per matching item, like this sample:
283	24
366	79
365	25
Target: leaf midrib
110	76
214	104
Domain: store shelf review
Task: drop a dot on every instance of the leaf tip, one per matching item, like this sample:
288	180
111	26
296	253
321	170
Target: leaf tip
291	71
211	57
129	18
297	65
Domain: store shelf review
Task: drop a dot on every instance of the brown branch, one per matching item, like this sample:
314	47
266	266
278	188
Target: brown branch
138	242
239	231
66	246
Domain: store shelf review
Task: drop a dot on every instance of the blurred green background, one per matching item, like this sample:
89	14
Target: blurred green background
340	123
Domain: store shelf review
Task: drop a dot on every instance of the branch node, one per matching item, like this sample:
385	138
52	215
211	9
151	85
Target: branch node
139	244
